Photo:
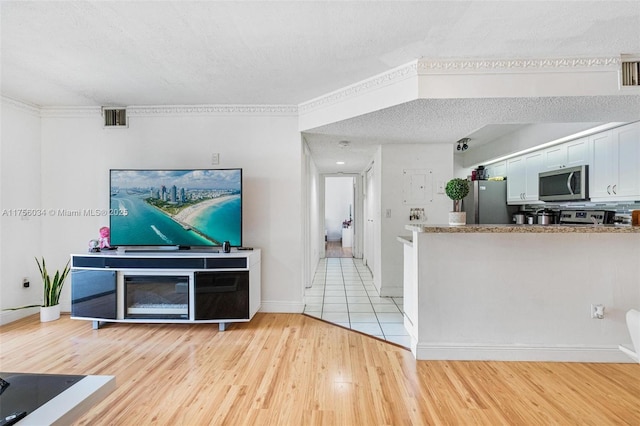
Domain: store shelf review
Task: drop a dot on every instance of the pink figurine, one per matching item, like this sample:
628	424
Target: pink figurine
104	237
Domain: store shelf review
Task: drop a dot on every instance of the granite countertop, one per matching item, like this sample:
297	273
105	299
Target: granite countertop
524	229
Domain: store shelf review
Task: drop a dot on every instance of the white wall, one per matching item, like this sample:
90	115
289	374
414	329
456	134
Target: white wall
19	189
77	153
338	195
395	159
525	296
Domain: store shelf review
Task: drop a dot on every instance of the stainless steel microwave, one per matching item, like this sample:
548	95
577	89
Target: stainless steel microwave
567	184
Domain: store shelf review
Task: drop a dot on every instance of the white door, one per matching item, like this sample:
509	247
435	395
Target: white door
601	171
533	165
369	214
627	140
516	184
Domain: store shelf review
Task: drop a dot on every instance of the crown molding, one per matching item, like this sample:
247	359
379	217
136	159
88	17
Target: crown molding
79	111
384	79
461	66
145	111
514	65
412	69
23	106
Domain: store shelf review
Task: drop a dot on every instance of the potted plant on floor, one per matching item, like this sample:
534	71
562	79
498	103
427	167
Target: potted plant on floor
52	287
457	189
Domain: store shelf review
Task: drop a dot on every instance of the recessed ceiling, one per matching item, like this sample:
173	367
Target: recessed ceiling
439	121
116	53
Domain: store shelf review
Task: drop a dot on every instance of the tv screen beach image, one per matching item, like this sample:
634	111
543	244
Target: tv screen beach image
176	207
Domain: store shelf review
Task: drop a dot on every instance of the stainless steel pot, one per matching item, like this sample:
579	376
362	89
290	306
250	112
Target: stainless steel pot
519	218
546	218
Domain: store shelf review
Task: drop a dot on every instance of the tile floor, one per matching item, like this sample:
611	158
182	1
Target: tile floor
343	293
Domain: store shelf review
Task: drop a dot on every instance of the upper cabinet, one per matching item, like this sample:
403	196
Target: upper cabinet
497	169
614	171
568	154
522	182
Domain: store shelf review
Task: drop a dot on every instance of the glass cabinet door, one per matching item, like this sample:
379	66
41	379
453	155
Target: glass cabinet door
93	294
222	295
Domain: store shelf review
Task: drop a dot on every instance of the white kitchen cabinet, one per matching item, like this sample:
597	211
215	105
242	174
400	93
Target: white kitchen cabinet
522	181
497	169
568	154
614	171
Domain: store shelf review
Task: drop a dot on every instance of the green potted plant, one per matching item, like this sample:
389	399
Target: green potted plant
52	287
457	189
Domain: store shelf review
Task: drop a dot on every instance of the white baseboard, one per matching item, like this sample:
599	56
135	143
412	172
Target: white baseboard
282	307
391	292
442	352
10	316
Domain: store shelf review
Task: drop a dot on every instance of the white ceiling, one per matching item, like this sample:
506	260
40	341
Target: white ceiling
125	53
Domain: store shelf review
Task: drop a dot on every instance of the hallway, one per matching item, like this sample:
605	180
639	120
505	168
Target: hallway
343	293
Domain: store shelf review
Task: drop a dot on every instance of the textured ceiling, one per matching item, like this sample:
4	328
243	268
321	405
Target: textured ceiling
237	52
449	120
124	53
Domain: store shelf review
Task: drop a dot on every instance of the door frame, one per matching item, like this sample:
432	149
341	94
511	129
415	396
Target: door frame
358	226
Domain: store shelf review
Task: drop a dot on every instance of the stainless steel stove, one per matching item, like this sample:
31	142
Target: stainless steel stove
587	217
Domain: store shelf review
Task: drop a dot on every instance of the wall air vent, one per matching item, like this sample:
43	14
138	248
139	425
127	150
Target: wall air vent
114	117
630	72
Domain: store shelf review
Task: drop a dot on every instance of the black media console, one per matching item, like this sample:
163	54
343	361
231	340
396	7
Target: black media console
165	287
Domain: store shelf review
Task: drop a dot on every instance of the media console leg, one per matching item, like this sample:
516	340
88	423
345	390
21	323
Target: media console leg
96	325
222	326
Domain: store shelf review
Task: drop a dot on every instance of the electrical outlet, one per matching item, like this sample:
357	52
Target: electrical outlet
597	311
215	159
388	213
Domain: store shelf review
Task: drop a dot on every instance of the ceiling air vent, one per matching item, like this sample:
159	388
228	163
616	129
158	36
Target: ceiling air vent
631	72
114	117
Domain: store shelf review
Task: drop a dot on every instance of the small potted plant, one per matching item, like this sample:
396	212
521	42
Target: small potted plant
50	307
457	189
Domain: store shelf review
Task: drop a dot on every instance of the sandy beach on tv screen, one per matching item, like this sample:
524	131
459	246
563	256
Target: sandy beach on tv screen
189	214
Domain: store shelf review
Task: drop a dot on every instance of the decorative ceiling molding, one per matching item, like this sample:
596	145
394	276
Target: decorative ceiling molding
389	77
395	75
31	109
479	66
88	111
553	64
144	111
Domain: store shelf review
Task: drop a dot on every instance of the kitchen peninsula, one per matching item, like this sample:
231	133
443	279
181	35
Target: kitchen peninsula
520	292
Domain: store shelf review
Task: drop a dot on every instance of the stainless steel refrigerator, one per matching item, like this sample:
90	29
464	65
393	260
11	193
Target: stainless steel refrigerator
487	203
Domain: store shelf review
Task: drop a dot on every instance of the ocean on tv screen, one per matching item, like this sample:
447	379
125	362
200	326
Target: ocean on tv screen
176	207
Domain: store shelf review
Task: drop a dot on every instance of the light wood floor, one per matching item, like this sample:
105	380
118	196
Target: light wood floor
335	249
290	369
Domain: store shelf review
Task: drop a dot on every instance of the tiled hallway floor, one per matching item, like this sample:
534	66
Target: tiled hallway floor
343	293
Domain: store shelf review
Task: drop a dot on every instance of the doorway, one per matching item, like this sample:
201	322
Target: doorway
339	225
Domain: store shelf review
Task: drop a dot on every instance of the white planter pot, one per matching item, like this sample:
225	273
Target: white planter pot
49	313
457	218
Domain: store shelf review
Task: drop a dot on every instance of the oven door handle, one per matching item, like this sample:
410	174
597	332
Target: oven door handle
569	183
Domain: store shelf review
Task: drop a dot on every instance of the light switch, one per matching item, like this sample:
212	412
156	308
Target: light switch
440	187
388	213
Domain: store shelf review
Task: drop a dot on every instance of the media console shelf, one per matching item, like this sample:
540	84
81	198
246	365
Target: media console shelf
165	287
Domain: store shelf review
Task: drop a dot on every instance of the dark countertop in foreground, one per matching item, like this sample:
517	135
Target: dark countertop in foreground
523	229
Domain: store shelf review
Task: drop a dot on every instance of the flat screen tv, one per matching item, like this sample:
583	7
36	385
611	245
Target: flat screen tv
187	208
